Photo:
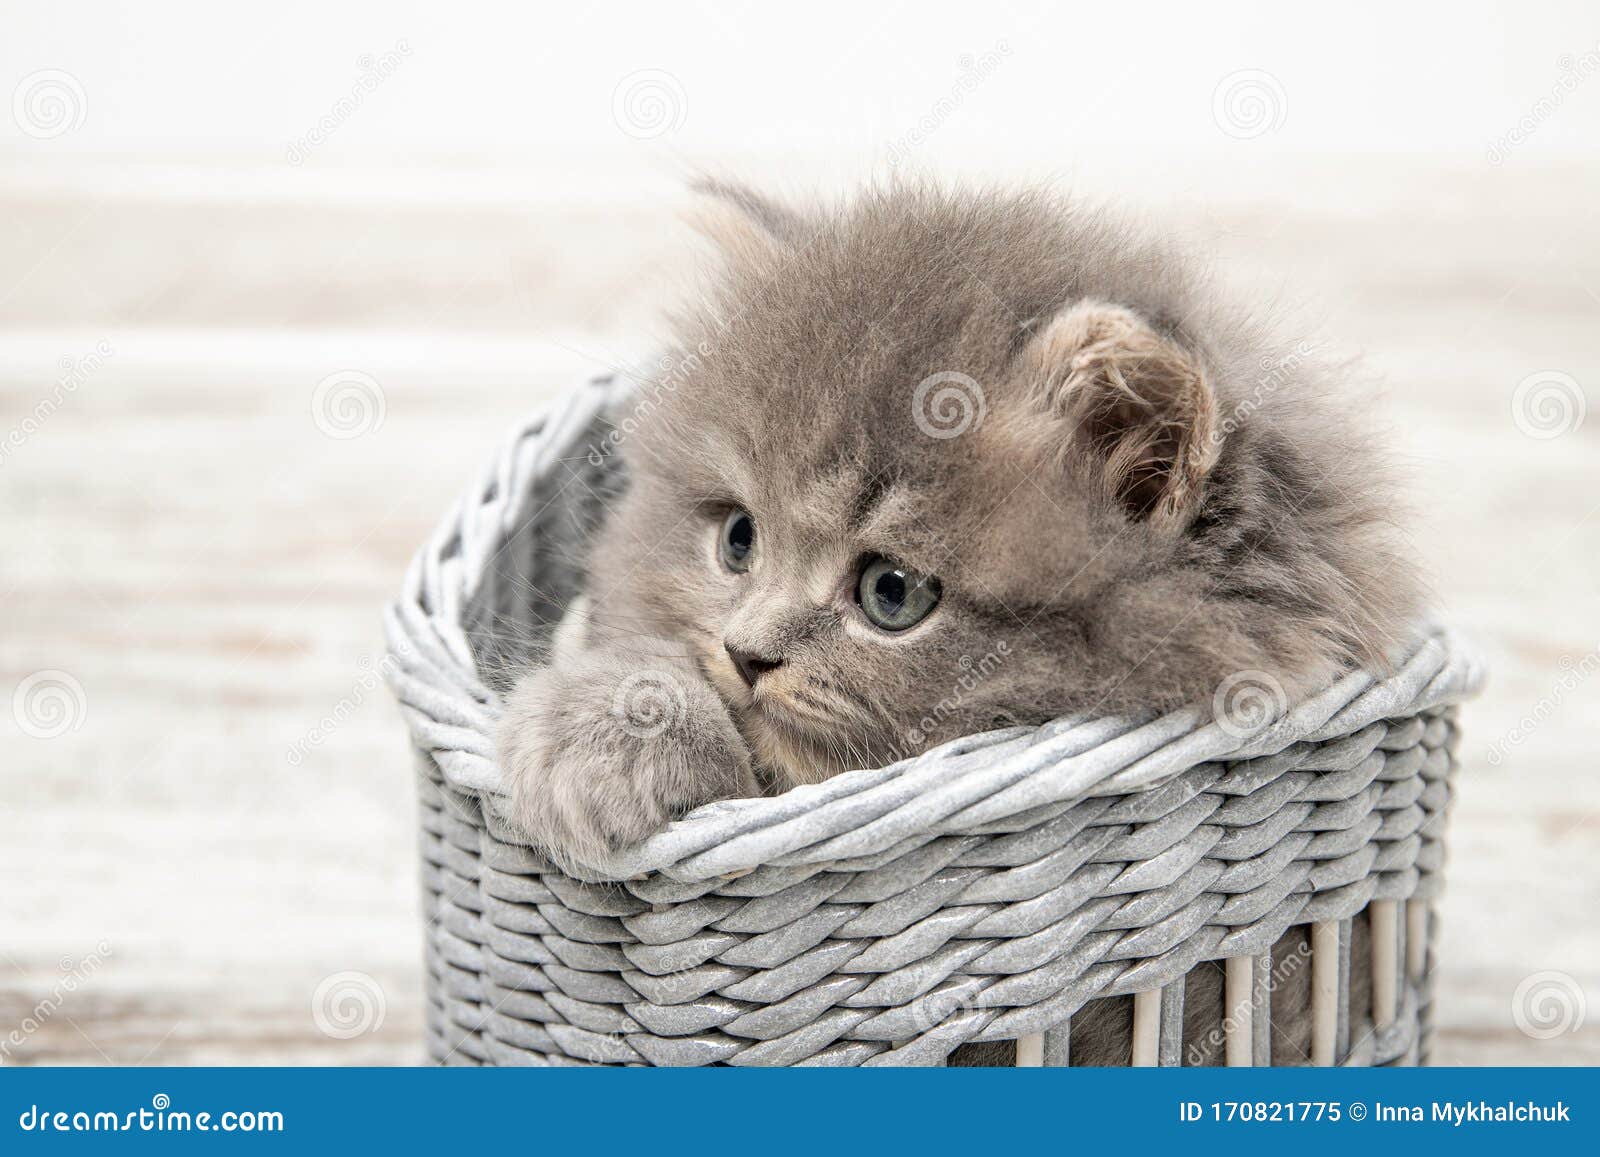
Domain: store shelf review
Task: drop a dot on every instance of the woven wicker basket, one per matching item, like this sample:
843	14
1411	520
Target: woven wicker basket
984	891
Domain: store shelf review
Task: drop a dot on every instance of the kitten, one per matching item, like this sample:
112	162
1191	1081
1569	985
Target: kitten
934	462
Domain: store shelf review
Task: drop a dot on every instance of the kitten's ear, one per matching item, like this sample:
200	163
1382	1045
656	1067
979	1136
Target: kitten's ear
739	219
1132	401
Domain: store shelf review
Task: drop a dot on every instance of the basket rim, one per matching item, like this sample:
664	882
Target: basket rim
960	787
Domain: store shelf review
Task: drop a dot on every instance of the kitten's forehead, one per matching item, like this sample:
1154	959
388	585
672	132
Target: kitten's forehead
849	320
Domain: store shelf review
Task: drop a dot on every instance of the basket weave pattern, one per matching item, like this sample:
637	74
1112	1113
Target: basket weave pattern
983	891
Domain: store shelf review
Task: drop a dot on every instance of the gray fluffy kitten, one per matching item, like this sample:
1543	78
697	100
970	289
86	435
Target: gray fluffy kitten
934	432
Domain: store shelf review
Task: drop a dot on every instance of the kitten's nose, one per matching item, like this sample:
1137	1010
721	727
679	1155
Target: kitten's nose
751	667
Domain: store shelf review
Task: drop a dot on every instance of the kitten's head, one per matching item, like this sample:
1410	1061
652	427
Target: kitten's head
938	462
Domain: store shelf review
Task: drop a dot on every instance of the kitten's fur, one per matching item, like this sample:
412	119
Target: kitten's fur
1155	494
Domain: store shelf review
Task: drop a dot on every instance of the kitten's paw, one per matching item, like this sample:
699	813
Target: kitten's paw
599	754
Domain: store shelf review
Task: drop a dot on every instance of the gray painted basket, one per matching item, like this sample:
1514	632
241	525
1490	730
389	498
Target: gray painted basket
985	891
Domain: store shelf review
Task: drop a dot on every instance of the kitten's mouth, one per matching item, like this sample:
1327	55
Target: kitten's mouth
761	702
790	747
789	751
725	681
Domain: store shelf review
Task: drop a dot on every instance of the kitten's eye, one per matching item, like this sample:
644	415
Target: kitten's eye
737	544
895	597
